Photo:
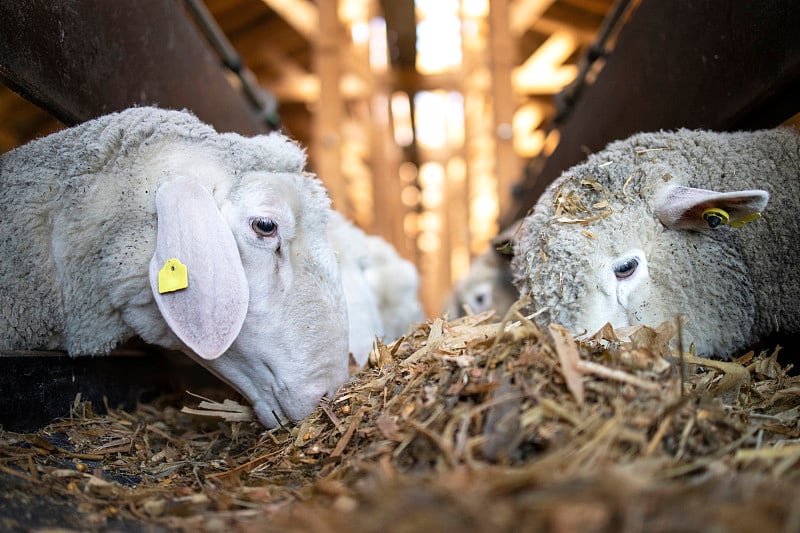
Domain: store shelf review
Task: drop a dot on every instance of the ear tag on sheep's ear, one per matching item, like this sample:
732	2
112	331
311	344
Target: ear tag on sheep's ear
745	220
716	217
173	276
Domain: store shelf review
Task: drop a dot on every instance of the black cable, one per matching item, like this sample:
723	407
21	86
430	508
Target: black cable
264	101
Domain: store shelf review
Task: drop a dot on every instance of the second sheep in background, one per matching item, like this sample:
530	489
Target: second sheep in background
381	288
489	283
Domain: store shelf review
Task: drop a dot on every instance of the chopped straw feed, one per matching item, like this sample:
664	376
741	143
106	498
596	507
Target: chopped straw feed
466	425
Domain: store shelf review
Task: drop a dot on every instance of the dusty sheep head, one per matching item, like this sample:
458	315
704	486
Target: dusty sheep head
640	234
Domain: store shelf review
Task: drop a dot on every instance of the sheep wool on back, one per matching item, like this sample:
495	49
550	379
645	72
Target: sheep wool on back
694	223
380	287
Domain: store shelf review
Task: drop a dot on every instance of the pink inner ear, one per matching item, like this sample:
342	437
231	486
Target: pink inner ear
682	207
207	315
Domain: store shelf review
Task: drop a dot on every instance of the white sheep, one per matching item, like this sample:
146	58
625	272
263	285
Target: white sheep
489	283
365	323
395	284
381	288
94	218
642	232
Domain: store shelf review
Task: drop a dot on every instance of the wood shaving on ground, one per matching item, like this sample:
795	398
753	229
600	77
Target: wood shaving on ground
465	425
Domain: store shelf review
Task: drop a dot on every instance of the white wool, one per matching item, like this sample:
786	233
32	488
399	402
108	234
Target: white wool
381	288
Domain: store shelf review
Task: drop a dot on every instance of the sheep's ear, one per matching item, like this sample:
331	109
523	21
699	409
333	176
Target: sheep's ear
205	309
503	243
688	208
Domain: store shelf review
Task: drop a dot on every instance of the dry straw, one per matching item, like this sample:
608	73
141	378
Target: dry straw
466	425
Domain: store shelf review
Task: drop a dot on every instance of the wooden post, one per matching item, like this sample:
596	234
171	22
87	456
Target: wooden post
328	113
386	191
502	59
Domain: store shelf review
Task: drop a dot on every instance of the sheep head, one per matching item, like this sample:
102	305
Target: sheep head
149	223
263	307
656	226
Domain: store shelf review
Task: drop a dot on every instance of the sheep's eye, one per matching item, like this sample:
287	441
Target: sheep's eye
266	227
626	268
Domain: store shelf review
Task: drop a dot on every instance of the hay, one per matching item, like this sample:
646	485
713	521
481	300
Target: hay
462	425
582	201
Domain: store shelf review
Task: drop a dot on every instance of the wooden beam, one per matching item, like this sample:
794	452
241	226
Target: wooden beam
543	72
524	13
402	24
302	15
305	88
546	26
294	84
290	82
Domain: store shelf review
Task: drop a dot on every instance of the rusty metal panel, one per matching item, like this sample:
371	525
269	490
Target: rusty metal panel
721	64
41	386
82	58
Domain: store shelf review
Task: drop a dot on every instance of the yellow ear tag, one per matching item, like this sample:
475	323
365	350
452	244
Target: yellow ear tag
716	217
745	220
172	277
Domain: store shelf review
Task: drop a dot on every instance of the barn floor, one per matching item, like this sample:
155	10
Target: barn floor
460	426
